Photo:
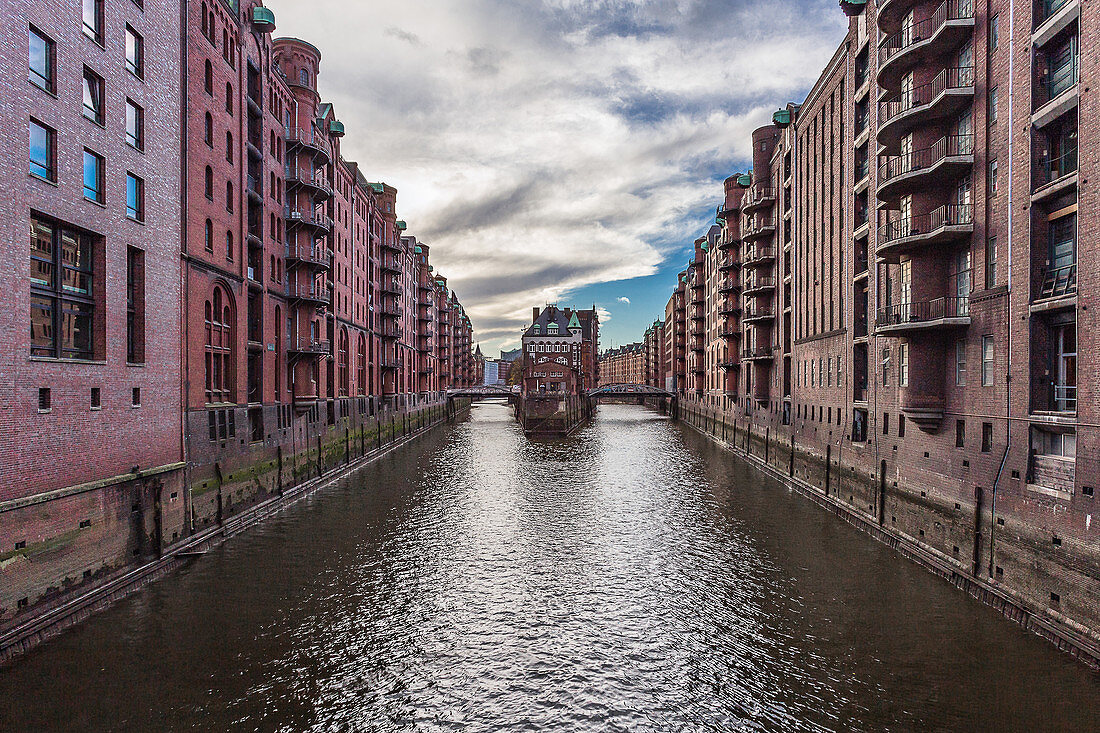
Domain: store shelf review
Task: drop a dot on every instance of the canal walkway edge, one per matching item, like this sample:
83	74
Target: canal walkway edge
1059	631
20	639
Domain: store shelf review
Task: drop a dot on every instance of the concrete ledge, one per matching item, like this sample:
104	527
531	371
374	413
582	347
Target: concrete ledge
42	498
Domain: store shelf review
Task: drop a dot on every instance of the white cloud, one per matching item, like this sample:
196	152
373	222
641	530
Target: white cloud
623	299
540	147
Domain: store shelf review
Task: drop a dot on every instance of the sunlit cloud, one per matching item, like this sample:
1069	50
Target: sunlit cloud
541	147
623	299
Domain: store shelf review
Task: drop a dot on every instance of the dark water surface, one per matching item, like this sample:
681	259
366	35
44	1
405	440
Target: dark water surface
632	577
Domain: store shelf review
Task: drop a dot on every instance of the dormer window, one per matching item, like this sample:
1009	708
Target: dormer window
552	329
538	329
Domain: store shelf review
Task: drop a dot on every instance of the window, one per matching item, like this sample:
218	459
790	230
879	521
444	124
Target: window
987	437
229	246
208	130
62	304
901	425
886	367
93	96
44	403
960	363
229	146
135	305
303	77
903	365
93	20
96	400
960	433
135	53
135	397
41	60
229	196
208	183
885	423
219	347
43	157
208	78
135	197
993	177
93	176
994	32
135	125
992	105
229	98
987	361
991	262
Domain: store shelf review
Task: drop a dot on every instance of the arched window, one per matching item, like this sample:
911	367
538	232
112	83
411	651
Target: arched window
219	348
229	246
209	236
229	195
342	363
208	130
229	146
361	363
209	180
229	98
208	75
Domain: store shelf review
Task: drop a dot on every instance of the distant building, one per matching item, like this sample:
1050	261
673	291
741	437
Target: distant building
623	365
559	351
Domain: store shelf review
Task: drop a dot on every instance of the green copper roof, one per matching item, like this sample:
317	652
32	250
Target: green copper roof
263	19
418	250
782	117
745	179
573	322
706	247
402	226
377	187
336	127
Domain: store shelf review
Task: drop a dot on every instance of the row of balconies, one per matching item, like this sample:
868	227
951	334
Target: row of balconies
949	25
308	139
312	177
321	223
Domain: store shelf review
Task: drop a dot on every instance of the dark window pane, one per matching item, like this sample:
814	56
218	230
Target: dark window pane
42	255
42	332
41	141
76	330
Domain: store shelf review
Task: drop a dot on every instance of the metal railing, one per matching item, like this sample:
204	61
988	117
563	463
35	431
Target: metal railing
756	254
312	218
1048	169
310	346
311	291
955	77
924	311
946	147
1057	281
305	253
909	36
948	215
757	225
757	194
761	281
762	311
1044	9
1057	80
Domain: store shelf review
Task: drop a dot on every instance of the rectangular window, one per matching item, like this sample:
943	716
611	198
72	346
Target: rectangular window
135	53
95	399
41	60
135	125
992	105
93	96
960	433
901	426
42	146
44	402
135	197
960	363
987	437
903	365
135	306
93	176
987	361
993	177
62	303
886	367
135	397
886	423
991	262
93	20
994	32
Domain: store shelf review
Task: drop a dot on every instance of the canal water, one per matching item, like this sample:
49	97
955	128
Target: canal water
633	577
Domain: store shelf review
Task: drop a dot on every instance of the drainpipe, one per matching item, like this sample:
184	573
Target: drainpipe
185	380
1008	296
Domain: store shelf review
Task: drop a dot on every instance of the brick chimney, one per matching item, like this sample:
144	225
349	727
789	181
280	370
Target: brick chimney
534	314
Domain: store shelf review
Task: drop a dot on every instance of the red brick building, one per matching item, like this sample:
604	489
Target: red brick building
623	365
91	272
560	351
882	307
222	325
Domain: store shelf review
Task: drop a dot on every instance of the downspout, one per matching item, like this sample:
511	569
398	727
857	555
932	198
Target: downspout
1008	295
185	379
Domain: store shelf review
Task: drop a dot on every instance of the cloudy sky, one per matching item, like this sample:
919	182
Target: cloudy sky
563	151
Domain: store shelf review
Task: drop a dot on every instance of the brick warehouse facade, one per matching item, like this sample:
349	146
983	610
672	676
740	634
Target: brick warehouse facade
623	365
228	298
898	305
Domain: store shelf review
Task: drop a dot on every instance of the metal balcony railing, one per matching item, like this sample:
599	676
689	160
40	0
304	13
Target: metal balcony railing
1058	78
956	77
1049	169
924	311
898	165
1046	8
949	215
909	36
1056	282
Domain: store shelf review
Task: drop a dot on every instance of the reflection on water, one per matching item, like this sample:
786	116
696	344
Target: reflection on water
631	577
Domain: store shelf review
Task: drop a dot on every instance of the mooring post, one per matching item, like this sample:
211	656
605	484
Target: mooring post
828	466
790	466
